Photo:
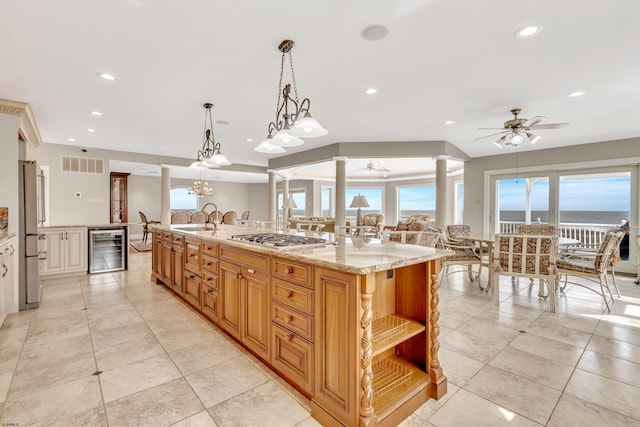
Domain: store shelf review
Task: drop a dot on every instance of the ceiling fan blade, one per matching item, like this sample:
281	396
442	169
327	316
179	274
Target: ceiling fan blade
491	128
549	126
534	121
493	134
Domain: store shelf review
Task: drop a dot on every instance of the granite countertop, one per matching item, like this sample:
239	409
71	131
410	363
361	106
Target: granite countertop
359	256
4	237
122	224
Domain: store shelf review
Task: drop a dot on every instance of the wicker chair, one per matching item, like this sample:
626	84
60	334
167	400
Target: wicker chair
215	215
537	229
199	217
230	218
180	218
518	255
591	267
245	215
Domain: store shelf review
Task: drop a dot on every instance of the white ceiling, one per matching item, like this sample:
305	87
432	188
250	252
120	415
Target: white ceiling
442	60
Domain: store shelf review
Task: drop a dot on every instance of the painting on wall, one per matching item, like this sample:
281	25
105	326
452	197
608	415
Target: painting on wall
4	220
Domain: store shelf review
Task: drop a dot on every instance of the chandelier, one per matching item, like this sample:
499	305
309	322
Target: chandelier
293	118
209	156
200	188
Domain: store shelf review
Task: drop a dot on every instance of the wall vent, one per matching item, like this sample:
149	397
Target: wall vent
74	164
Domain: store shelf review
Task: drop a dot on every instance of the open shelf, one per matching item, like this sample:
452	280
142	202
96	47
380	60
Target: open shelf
392	329
395	378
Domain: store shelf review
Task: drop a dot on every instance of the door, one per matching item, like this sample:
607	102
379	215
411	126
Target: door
75	248
256	313
520	200
55	253
230	294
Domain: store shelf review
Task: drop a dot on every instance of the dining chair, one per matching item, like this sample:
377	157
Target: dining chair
215	215
230	218
145	226
532	256
465	251
245	215
535	229
591	267
199	217
309	226
180	218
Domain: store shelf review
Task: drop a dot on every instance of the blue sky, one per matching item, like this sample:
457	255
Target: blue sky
576	194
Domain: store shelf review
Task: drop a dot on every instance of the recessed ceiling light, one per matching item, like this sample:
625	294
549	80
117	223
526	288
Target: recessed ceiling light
95	113
249	139
576	94
222	122
374	32
449	122
106	76
370	91
528	31
91	130
71	139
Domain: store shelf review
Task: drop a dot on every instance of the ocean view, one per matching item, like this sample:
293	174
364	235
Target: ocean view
580	217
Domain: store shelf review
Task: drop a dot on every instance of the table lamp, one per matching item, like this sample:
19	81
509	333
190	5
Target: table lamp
359	202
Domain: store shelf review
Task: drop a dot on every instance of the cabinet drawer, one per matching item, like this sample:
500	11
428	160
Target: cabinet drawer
209	264
210	249
192	289
291	295
245	258
301	324
210	280
178	242
209	300
293	357
193	255
167	236
292	271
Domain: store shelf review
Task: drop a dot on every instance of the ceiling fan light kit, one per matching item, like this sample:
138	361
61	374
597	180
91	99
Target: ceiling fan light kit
293	117
518	131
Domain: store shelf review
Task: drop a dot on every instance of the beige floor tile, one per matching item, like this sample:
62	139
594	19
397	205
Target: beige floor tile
63	401
175	339
598	390
489	332
572	411
161	405
506	319
225	380
200	356
611	367
201	419
525	397
619	349
308	422
55	331
109	337
266	405
466	409
95	417
548	348
137	376
422	414
585	322
620	333
533	367
471	346
559	333
128	352
458	368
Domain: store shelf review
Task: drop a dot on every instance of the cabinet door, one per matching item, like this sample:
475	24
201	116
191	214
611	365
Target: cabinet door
178	270
167	249
230	290
255	311
192	289
209	300
157	255
75	249
55	256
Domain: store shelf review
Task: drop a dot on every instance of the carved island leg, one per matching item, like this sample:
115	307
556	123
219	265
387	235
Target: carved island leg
438	380
367	416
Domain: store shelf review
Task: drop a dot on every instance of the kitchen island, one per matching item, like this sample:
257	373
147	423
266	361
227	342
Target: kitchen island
353	325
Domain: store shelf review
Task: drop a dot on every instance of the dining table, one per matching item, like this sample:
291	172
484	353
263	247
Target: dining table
486	243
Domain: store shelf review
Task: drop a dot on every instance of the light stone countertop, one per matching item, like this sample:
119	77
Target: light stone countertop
5	237
119	225
350	255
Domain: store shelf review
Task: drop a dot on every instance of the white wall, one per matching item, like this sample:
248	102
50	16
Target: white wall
9	147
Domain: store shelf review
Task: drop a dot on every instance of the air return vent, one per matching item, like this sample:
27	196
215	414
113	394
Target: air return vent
73	164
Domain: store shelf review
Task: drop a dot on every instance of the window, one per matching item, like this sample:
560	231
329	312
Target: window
522	201
299	197
181	200
458	208
416	200
326	201
374	198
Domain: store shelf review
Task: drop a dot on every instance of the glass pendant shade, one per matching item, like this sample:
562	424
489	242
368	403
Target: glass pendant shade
516	139
267	147
218	159
307	127
284	139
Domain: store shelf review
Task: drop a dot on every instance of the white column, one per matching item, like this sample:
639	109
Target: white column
273	209
285	197
165	196
442	190
341	187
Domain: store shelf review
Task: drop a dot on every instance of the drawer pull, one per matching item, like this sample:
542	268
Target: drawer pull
289	295
192	277
289	270
251	270
208	279
210	291
289	337
209	263
288	319
192	255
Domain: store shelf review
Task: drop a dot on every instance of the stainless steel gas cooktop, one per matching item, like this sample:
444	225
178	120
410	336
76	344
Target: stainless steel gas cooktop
279	240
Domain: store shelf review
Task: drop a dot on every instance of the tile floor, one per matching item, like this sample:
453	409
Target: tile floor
113	349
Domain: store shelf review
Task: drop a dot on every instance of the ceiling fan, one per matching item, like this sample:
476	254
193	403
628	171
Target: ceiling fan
374	167
518	130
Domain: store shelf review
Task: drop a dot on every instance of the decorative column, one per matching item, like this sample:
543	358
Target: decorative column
367	288
438	380
341	188
285	201
442	190
273	198
165	196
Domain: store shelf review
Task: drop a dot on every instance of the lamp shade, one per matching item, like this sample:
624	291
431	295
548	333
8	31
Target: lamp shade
359	201
284	139
267	147
307	127
289	203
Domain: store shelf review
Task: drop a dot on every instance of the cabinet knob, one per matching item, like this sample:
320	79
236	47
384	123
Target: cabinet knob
289	337
208	279
288	319
289	270
289	294
210	291
192	255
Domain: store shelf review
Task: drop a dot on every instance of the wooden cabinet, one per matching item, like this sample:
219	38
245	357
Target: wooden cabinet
65	251
8	277
177	263
209	296
167	260
191	292
293	357
118	197
255	311
157	242
230	294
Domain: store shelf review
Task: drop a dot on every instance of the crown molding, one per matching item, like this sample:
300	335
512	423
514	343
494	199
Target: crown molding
27	127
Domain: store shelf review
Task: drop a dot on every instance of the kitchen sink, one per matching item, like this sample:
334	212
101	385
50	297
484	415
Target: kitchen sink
199	228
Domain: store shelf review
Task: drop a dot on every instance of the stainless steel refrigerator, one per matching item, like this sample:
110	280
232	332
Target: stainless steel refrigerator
31	214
